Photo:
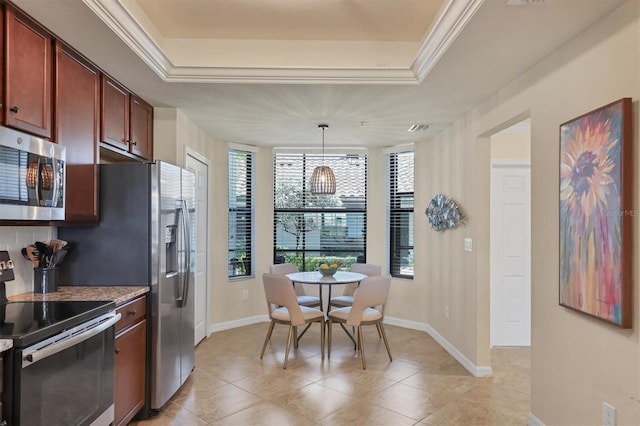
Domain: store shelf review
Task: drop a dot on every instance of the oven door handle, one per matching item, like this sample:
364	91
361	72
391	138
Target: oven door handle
53	349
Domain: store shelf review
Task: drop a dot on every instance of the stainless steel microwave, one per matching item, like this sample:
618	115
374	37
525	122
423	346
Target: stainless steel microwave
32	177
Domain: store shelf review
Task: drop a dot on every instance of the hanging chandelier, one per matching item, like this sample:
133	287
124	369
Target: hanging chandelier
323	181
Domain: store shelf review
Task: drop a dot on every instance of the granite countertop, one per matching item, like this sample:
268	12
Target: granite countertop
119	294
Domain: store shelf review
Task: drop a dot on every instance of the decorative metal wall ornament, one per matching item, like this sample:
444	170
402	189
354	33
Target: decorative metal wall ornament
443	213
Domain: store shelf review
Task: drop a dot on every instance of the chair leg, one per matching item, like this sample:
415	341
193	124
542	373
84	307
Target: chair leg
322	337
295	337
386	342
286	353
329	338
361	345
267	338
378	329
355	345
304	331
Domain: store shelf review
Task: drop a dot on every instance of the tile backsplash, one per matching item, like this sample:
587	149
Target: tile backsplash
13	239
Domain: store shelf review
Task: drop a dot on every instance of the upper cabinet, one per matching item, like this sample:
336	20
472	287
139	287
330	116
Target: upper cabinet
127	120
141	127
28	60
114	114
77	105
50	90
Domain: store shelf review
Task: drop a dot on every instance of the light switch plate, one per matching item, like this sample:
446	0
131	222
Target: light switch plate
468	244
608	414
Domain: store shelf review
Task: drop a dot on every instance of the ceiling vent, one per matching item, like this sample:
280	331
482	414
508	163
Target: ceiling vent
522	2
418	128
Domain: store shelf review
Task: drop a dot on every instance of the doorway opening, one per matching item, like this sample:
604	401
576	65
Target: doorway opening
199	166
510	237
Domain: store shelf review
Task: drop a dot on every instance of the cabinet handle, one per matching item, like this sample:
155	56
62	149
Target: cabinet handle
14	109
134	143
117	351
132	312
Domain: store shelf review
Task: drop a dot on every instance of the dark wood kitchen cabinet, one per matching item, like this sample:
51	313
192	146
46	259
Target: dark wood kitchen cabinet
127	120
28	64
131	356
77	126
141	127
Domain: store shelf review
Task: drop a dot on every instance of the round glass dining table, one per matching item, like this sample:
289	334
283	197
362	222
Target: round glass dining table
315	277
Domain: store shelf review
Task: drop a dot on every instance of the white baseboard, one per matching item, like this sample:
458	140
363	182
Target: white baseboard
477	371
411	325
533	420
228	325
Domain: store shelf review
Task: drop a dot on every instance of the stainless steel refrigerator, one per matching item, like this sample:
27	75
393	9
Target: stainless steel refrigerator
144	238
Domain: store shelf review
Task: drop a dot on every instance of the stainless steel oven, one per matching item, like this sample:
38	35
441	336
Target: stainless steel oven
65	379
32	177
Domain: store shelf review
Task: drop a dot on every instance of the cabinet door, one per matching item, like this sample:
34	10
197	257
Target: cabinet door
76	127
28	75
141	128
114	114
130	372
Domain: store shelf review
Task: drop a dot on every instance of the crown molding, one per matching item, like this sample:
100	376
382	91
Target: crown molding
118	19
451	22
456	15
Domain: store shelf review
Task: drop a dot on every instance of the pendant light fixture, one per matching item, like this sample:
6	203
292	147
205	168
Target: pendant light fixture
323	181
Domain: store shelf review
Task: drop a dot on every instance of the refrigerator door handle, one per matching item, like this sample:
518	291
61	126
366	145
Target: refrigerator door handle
187	253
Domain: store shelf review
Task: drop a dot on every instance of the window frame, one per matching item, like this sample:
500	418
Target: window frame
305	256
247	211
395	231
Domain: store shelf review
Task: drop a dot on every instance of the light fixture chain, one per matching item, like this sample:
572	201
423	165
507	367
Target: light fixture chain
323	146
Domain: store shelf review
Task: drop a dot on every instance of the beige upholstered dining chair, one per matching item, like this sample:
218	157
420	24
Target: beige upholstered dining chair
303	298
284	309
373	291
346	299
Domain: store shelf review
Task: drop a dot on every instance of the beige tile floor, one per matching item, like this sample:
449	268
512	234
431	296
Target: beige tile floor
423	385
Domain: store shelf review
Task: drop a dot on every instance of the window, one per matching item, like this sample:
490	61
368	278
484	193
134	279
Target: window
400	213
309	228
241	213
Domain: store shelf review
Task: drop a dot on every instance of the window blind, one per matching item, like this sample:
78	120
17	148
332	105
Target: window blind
309	229
241	213
400	172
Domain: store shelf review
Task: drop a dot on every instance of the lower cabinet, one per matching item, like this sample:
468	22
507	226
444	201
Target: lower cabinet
131	350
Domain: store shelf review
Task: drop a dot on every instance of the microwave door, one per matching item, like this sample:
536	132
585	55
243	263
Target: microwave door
47	183
32	177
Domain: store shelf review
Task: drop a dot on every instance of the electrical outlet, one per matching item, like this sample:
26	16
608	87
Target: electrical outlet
608	414
245	294
446	311
468	244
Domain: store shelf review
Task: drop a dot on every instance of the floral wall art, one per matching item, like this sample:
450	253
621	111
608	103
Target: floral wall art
596	212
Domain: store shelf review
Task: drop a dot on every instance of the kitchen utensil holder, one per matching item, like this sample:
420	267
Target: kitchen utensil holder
45	280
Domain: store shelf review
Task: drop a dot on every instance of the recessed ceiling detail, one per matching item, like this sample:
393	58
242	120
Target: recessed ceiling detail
349	52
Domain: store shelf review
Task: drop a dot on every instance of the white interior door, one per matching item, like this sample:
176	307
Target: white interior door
200	169
511	255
